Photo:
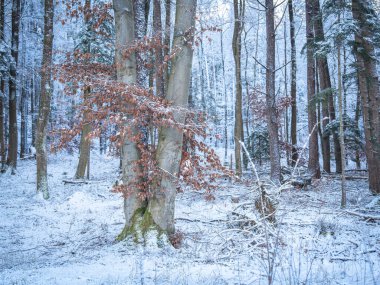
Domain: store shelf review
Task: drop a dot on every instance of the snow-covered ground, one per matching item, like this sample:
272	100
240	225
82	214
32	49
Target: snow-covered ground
70	239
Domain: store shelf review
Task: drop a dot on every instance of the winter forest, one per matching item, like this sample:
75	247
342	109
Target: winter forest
189	142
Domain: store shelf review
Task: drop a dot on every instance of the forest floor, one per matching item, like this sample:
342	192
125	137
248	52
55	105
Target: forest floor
70	238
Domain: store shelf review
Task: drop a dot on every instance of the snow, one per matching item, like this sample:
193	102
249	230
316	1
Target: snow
70	239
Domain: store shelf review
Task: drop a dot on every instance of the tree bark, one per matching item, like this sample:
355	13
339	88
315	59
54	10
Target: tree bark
313	164
341	129
161	205
324	80
140	15
236	47
13	130
126	73
293	84
159	59
167	39
85	141
272	117
45	99
2	96
362	11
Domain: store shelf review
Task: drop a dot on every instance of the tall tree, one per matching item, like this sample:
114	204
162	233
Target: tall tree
239	7
272	117
45	99
161	205
313	164
126	73
2	91
85	141
293	84
13	130
324	81
158	211
366	19
341	127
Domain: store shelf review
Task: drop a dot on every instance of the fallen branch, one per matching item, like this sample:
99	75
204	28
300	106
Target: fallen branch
365	216
75	181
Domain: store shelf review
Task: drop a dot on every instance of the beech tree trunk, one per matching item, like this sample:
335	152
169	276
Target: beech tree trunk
85	142
13	130
236	47
272	117
363	13
45	99
167	40
313	164
126	73
170	139
141	8
157	31
293	84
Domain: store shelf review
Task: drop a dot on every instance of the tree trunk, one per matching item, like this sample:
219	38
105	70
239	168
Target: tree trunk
325	87
225	130
313	164
13	130
85	141
161	205
362	11
272	118
236	47
126	73
159	59
140	16
167	39
357	117
341	129
2	96
45	99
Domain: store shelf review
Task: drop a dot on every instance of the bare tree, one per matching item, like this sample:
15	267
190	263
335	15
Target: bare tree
45	99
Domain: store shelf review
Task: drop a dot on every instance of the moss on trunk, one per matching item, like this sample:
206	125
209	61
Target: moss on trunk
140	225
